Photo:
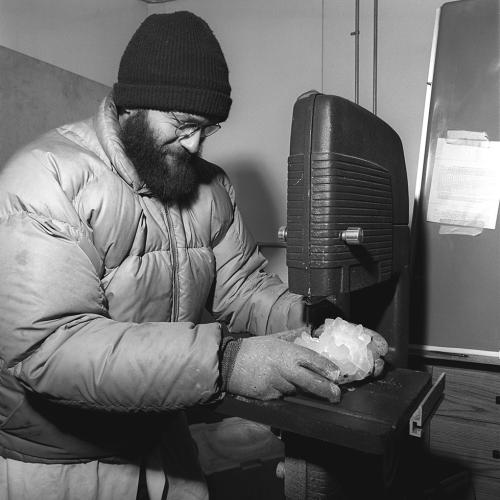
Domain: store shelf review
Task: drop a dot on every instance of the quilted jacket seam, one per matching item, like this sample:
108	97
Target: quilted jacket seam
12	413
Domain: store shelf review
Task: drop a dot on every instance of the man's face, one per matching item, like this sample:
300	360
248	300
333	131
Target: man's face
166	163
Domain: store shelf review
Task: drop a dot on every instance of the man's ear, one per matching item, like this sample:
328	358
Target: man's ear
124	114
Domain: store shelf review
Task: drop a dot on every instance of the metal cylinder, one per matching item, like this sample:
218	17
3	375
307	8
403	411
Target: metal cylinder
352	236
282	233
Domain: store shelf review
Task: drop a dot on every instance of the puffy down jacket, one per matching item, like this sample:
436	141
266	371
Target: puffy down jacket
101	292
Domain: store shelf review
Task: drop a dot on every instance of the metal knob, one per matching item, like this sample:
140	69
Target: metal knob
352	236
282	233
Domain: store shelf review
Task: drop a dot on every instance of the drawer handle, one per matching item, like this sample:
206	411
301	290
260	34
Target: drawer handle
498	400
496	454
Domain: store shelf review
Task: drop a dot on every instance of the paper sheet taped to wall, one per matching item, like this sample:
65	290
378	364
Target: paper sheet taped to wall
465	186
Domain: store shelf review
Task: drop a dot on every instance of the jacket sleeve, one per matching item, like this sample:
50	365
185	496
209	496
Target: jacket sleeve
246	296
56	336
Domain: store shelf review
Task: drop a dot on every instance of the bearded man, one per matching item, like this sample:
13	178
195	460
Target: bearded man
115	235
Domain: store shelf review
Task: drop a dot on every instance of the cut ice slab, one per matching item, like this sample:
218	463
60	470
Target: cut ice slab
346	344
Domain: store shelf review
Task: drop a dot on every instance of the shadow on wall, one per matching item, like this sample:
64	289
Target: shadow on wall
36	96
255	199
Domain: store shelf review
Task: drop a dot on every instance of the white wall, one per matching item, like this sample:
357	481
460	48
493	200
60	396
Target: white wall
83	36
276	49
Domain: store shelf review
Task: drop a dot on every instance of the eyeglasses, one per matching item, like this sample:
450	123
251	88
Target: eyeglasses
185	130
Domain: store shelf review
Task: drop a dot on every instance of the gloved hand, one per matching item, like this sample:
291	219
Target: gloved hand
268	367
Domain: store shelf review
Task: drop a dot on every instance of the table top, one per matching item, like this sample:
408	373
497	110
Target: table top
369	417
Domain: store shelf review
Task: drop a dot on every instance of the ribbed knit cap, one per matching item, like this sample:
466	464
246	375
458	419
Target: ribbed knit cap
173	62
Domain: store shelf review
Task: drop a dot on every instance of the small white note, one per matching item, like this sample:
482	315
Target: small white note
465	185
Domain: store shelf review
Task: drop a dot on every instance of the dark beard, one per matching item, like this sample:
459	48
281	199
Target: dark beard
171	174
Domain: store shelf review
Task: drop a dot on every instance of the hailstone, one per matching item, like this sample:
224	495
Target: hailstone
345	344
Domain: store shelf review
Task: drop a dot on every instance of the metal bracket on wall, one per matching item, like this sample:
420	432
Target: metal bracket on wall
356	34
427	407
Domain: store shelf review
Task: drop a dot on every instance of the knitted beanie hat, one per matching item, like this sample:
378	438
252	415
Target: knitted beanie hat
173	62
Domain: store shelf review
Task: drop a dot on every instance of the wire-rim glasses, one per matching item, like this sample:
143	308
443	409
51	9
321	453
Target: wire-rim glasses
186	130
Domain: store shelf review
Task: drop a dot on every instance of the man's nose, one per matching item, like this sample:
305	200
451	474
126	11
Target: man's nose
191	143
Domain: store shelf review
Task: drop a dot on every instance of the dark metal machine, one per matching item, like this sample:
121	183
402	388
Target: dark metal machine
347	247
347	217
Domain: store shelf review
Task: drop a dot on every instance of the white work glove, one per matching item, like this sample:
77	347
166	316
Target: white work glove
271	366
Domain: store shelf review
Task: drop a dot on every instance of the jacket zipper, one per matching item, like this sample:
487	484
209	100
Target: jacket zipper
175	261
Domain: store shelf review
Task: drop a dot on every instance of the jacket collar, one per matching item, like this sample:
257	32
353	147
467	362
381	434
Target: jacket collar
108	133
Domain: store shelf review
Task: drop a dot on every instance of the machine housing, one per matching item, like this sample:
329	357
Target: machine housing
347	215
